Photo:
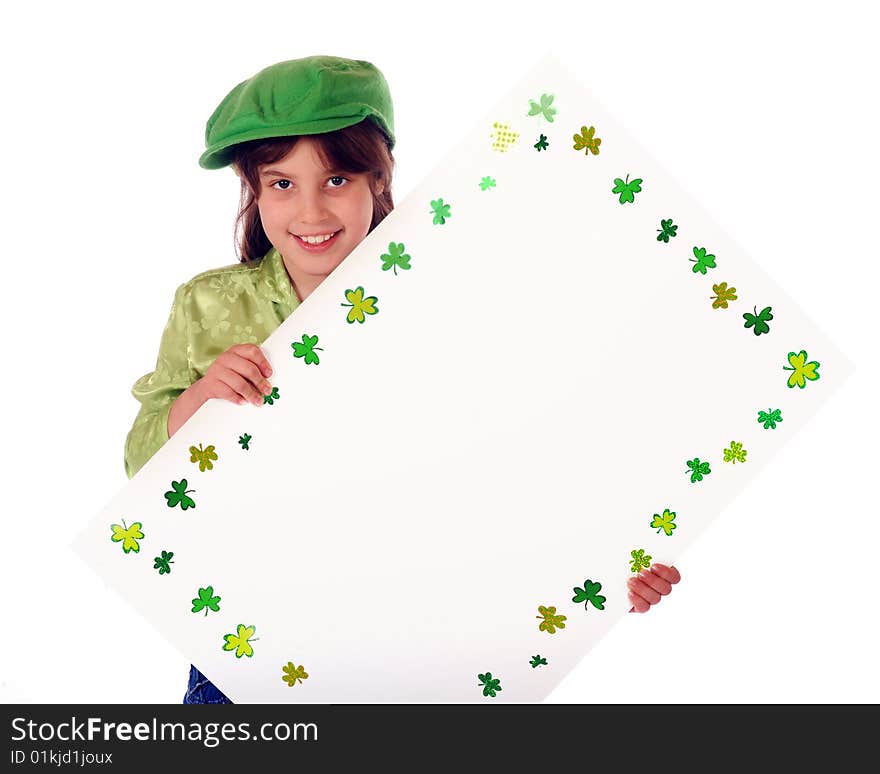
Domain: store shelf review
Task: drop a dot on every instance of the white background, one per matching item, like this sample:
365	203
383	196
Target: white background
766	113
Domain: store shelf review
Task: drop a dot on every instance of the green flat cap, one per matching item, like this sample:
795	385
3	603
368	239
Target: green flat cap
312	95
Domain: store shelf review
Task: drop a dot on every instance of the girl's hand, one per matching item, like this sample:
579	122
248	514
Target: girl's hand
237	375
650	586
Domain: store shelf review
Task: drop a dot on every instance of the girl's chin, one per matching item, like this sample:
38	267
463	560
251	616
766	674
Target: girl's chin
313	264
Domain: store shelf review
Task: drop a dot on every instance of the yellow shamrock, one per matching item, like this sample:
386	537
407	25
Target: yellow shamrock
294	674
239	643
203	456
504	136
801	370
586	140
551	620
359	305
666	522
735	453
723	294
128	535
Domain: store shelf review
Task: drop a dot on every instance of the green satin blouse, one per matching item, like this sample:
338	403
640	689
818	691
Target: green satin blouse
237	304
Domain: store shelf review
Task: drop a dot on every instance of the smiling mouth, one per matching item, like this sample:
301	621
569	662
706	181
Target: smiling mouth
320	233
319	245
314	245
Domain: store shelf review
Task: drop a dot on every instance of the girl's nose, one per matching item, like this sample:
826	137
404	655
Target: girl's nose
311	207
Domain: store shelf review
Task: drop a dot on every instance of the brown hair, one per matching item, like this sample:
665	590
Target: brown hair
362	147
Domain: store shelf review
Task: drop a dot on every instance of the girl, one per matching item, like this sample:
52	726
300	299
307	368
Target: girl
310	140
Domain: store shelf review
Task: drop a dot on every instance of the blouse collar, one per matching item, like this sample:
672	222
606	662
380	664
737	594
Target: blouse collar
274	282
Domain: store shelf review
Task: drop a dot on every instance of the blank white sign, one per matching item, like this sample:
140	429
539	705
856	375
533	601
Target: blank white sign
503	429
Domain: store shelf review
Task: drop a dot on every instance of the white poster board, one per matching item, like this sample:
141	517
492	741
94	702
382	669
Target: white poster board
574	363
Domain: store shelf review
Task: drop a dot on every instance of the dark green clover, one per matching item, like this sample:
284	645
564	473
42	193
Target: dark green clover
164	562
759	320
179	495
667	229
589	594
490	685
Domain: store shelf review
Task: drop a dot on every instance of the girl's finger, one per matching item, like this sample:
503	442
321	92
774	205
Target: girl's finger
667	573
254	353
660	585
639	605
241	385
643	590
248	369
225	392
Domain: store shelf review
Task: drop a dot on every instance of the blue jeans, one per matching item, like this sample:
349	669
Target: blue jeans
201	690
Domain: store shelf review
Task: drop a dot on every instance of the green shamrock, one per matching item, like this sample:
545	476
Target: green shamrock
206	601
487	182
306	349
178	495
360	306
395	257
769	418
271	397
244	440
699	469
440	210
543	108
589	593
759	320
639	561
667	229
628	189
542	143
702	261
800	369
164	562
490	685
538	661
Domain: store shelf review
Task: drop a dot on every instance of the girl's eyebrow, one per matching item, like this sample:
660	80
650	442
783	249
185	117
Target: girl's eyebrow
279	173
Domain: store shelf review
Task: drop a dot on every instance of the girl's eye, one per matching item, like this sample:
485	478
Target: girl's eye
287	182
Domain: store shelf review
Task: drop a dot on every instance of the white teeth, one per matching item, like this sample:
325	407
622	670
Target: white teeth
316	240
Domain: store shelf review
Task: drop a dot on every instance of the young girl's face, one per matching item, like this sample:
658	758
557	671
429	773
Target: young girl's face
298	196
